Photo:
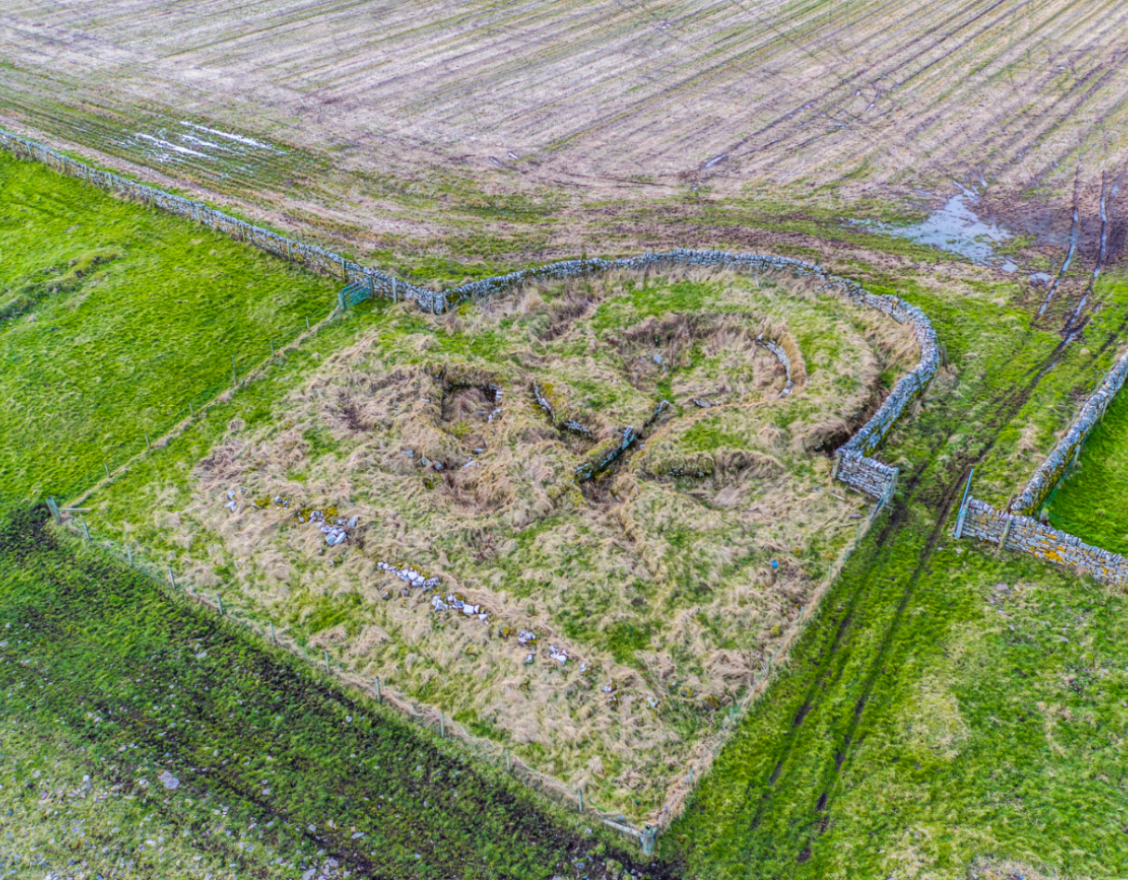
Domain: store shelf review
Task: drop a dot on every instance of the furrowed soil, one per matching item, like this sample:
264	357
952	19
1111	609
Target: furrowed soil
519	131
143	736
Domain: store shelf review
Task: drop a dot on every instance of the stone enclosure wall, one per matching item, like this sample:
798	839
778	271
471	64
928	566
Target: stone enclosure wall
1050	472
1017	530
1026	535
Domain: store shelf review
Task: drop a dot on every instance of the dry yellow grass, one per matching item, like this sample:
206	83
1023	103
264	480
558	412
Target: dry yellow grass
666	580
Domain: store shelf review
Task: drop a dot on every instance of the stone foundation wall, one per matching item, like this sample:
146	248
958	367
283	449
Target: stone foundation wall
853	466
866	475
1026	535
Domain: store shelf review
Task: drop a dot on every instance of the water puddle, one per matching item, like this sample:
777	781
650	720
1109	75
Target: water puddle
174	143
954	228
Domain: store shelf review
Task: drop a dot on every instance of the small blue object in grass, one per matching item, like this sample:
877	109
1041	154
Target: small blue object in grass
775	564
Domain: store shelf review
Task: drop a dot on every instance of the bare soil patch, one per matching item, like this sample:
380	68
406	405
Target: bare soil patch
476	124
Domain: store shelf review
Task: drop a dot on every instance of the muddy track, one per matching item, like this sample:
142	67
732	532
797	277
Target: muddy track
819	789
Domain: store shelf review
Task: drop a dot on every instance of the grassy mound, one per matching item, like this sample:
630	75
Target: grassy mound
488	449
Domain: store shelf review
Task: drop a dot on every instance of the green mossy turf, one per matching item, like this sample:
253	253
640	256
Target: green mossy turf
105	676
113	318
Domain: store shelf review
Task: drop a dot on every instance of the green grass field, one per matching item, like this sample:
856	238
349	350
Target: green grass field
109	684
1092	501
949	710
993	711
113	319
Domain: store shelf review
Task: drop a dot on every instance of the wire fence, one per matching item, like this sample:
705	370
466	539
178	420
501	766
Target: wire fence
432	719
362	283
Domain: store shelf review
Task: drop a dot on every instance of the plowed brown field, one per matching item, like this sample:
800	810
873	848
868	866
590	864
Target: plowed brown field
627	100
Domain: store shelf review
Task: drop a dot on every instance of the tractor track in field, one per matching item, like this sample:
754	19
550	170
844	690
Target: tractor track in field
184	736
869	76
821	792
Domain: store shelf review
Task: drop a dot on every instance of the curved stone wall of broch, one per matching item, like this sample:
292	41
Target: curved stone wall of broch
853	465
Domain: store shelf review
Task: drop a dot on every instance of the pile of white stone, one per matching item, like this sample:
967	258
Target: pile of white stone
454	603
410	576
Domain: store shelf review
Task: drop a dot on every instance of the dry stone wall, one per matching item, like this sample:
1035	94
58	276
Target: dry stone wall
853	466
866	475
312	257
1016	530
1026	535
1050	472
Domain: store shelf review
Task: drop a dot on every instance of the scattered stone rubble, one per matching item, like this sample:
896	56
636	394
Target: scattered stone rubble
496	414
335	528
410	576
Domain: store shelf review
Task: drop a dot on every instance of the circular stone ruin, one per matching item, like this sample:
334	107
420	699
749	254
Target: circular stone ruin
579	515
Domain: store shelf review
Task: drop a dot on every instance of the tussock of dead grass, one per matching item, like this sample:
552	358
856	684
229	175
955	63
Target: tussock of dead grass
657	578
